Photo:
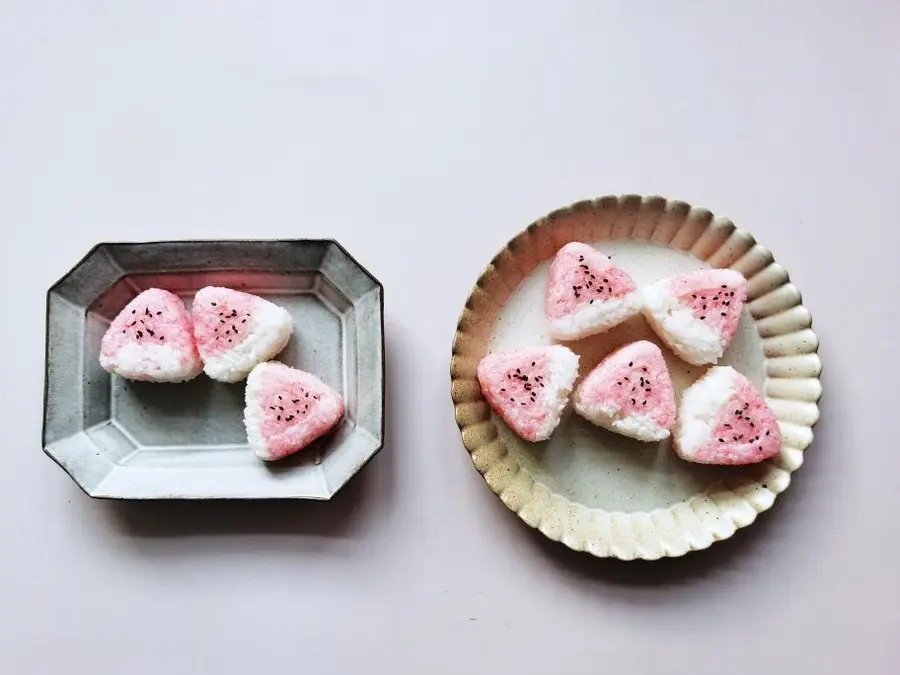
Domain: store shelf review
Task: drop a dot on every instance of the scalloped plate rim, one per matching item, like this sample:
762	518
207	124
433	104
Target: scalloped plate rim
690	542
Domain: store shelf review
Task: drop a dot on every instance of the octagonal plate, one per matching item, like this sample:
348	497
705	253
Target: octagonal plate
138	440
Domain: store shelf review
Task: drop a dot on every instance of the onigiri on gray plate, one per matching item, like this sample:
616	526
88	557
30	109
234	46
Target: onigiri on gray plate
124	439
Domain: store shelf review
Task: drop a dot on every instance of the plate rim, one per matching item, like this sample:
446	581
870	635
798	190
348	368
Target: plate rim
697	522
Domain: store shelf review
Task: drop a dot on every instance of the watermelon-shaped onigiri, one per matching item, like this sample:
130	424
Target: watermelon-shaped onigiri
630	392
286	409
697	314
151	340
235	331
587	293
724	420
529	388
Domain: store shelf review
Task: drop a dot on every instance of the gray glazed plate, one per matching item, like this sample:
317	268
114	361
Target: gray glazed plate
138	440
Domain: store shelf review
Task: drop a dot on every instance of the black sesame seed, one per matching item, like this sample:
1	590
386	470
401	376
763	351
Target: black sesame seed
645	402
279	418
229	339
152	333
633	401
703	318
591	302
158	313
619	382
704	307
605	280
532	363
724	286
271	407
140	334
581	258
722	313
694	296
512	399
134	311
630	363
160	337
123	330
213	304
502	390
244	321
523	403
721	440
767	432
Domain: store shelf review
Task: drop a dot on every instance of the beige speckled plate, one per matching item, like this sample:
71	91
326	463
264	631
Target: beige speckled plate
599	492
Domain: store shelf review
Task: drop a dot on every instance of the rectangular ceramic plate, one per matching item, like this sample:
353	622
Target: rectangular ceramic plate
139	440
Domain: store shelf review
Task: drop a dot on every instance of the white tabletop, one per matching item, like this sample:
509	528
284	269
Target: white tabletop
423	138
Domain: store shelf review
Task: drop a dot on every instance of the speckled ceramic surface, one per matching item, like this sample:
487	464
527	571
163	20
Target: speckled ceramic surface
142	440
599	492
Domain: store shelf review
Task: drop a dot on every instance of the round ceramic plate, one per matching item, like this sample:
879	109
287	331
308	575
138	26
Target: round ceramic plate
599	492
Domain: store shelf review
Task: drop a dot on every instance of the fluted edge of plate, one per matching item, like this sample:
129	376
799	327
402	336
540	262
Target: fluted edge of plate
792	385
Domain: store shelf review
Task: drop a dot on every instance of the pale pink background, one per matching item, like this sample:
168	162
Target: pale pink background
384	127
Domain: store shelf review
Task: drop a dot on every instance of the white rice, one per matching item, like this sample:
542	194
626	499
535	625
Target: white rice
270	330
149	362
700	405
610	416
563	370
690	338
595	318
252	421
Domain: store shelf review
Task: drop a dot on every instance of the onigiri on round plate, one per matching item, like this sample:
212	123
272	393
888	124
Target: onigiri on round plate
697	383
